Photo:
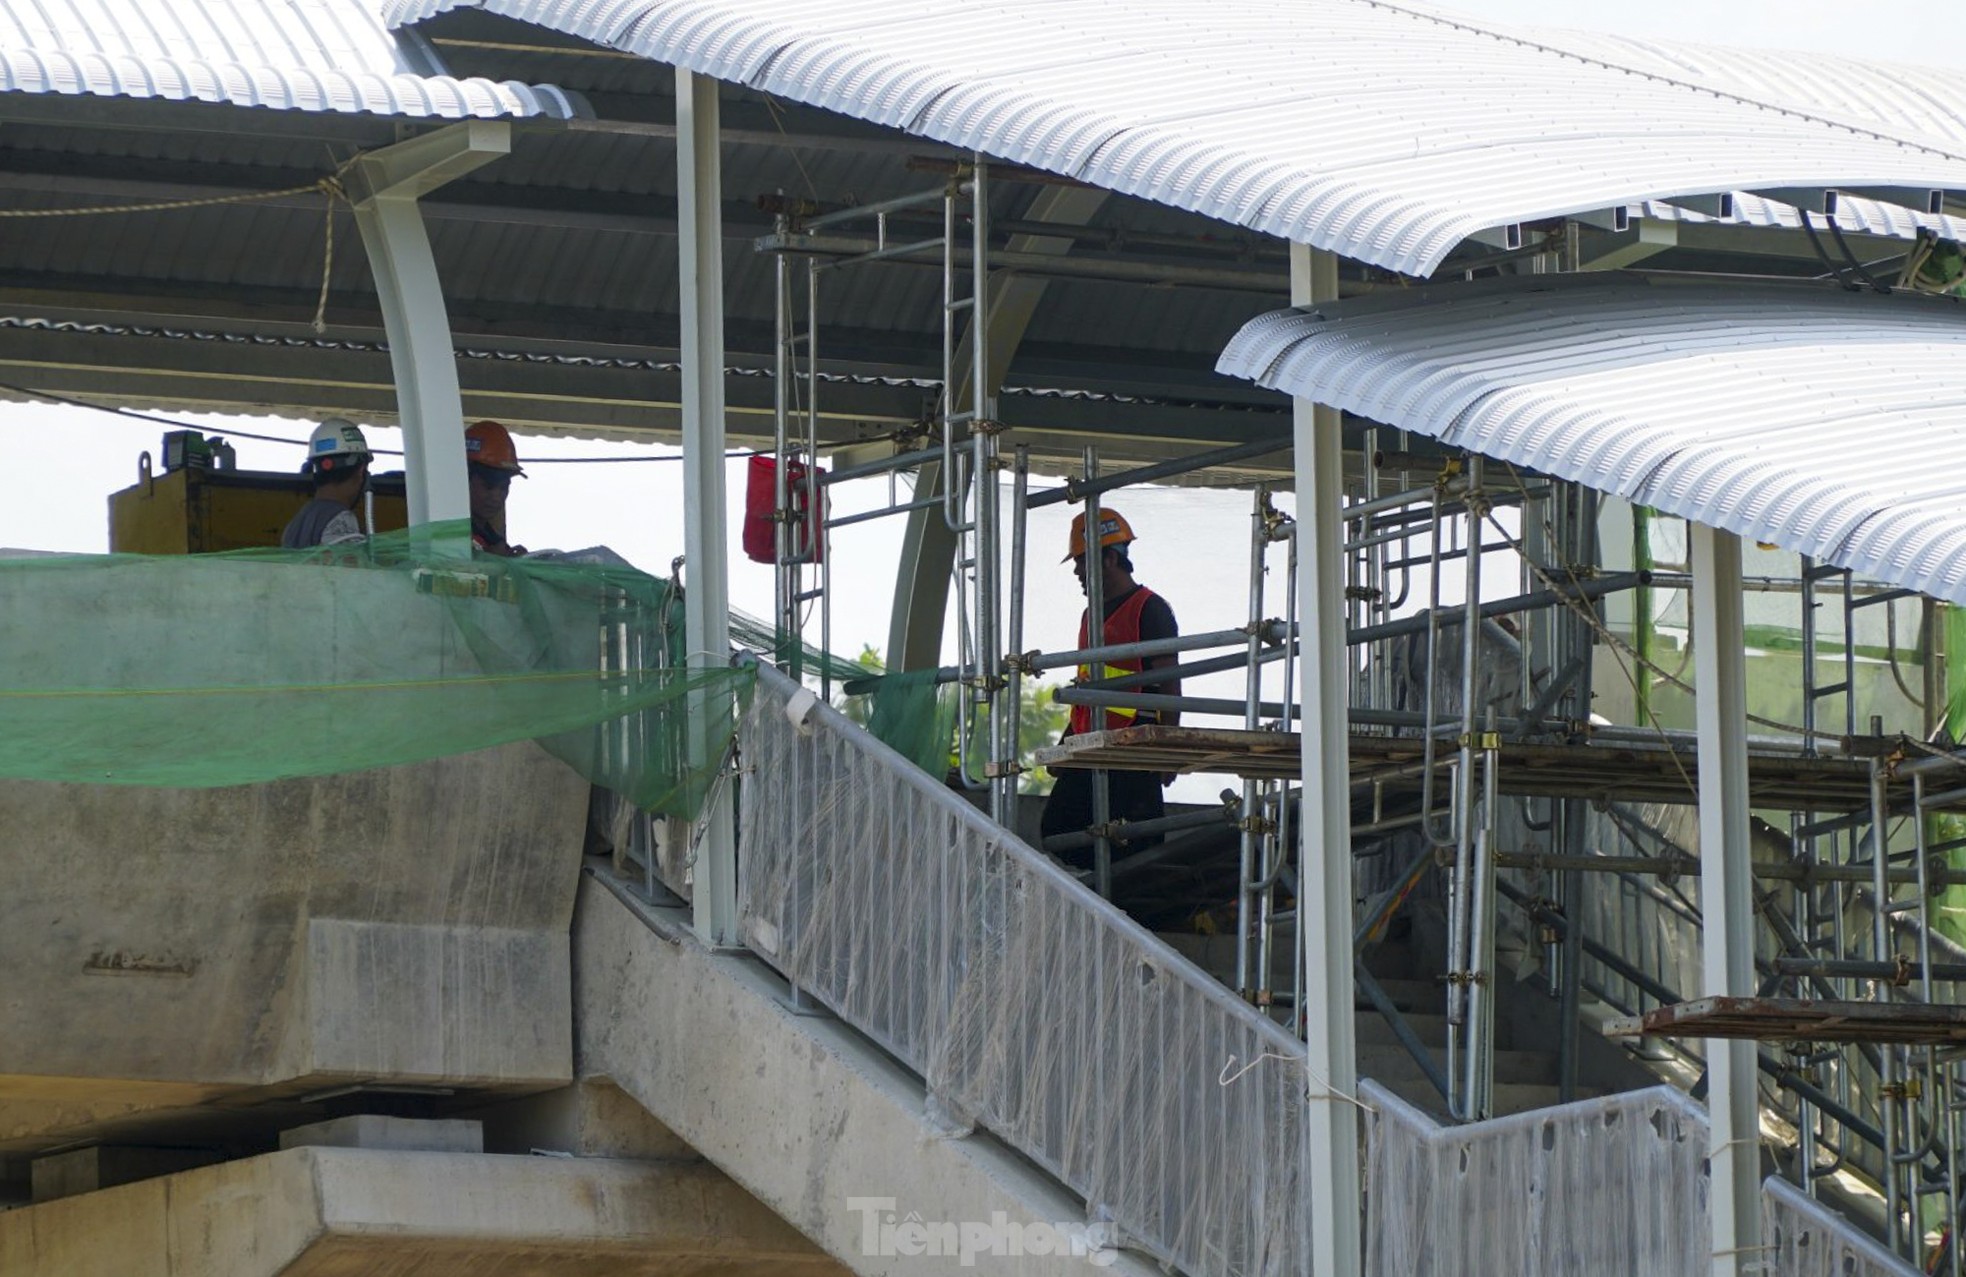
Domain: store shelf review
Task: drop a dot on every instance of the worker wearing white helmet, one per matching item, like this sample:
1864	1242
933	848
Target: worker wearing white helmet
338	464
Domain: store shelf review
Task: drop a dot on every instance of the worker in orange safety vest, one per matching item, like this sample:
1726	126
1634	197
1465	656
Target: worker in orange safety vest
1134	614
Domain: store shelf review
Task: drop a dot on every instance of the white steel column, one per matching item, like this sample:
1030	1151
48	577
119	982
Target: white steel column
706	625
1726	894
1325	852
384	187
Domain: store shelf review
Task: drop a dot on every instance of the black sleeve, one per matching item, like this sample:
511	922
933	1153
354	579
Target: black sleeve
1157	622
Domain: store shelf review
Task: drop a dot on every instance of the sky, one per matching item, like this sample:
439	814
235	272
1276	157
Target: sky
64	462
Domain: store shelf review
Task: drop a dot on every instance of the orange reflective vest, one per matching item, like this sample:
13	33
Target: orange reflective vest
1123	626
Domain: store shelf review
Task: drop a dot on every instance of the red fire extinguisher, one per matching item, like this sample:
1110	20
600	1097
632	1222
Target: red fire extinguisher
761	507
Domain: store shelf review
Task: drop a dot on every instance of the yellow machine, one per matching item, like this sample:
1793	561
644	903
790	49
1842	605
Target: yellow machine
201	504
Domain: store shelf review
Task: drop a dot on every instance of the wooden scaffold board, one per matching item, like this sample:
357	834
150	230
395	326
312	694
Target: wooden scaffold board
1588	770
1800	1020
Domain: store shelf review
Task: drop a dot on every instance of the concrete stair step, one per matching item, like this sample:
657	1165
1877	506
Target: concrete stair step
1510	1097
1371	1029
1525	1068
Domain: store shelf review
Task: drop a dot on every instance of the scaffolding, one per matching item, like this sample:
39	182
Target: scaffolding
1481	772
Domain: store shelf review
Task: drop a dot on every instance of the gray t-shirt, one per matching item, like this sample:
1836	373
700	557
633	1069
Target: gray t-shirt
321	522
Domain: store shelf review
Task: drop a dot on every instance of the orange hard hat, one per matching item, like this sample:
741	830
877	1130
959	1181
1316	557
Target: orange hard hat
1113	530
487	443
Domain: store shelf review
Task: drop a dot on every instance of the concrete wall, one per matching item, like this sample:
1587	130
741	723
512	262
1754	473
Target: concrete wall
167	947
344	1212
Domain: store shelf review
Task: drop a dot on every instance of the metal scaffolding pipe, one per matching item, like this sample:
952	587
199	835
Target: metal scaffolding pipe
1595	588
1120	831
1079	490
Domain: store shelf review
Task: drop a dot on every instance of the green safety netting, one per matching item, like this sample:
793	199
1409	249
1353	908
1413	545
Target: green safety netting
910	711
259	665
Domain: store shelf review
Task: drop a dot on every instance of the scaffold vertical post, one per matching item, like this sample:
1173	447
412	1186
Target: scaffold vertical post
707	607
1726	893
1325	853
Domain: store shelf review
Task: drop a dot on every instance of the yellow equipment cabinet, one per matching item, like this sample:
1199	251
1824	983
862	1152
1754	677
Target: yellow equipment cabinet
197	509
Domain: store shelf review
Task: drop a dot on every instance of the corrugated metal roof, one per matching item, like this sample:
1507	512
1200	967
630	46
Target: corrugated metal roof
1826	422
1387	132
305	55
1909	101
1853	214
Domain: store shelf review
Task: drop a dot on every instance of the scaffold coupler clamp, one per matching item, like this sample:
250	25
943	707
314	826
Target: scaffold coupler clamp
1024	663
1479	740
1901	971
997	771
1449	472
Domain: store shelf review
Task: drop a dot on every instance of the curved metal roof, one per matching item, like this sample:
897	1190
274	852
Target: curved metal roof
1387	132
1823	421
304	55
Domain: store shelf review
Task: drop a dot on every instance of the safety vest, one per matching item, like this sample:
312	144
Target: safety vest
1123	626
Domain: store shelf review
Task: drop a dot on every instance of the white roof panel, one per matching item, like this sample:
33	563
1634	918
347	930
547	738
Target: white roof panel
1826	422
306	55
1384	131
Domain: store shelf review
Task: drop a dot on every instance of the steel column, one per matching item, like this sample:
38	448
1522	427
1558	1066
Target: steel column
1726	893
1325	857
706	604
384	187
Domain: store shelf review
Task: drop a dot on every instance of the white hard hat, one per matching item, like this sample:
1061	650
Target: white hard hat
337	444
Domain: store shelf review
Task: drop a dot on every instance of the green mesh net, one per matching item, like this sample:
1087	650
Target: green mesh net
258	665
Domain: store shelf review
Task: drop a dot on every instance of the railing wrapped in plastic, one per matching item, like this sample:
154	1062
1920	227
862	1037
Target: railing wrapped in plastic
1031	1007
1613	1186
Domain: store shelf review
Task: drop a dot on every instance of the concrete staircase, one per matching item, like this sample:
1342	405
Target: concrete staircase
1525	1071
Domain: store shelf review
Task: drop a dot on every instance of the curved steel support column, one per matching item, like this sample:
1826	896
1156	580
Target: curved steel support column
384	187
1324	870
928	547
706	622
1726	895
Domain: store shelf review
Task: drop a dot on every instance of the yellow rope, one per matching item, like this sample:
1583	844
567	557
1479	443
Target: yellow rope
328	185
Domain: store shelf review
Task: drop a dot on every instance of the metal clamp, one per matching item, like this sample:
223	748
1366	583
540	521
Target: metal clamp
1479	740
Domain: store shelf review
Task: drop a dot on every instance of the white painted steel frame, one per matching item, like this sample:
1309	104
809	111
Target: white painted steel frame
1726	895
384	187
1324	872
706	603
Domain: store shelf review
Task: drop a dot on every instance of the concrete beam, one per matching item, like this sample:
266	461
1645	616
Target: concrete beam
335	1212
708	1043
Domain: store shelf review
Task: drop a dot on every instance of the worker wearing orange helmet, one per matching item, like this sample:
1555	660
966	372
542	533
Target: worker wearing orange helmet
492	463
1134	614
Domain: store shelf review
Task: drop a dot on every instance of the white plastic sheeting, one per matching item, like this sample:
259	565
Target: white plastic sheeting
1614	1187
1821	421
1030	1006
1610	1187
307	55
1387	132
1805	1239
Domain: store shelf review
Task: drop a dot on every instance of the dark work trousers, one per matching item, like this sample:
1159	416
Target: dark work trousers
1134	796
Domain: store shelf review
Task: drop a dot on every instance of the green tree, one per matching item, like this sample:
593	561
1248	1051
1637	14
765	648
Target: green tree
1039	724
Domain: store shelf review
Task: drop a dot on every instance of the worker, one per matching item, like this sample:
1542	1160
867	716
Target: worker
337	464
1134	614
492	463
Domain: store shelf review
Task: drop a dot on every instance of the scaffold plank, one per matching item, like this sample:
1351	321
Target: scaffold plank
1587	770
1799	1020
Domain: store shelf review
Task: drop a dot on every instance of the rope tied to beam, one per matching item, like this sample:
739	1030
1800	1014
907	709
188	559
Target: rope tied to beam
330	188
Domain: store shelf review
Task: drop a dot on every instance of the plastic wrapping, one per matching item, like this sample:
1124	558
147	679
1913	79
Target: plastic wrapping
1605	1187
1805	1239
1031	1007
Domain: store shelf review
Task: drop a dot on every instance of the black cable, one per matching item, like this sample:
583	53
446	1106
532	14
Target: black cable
220	432
1822	254
1843	245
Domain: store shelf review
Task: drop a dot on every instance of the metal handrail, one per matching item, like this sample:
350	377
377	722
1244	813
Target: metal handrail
1032	1007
